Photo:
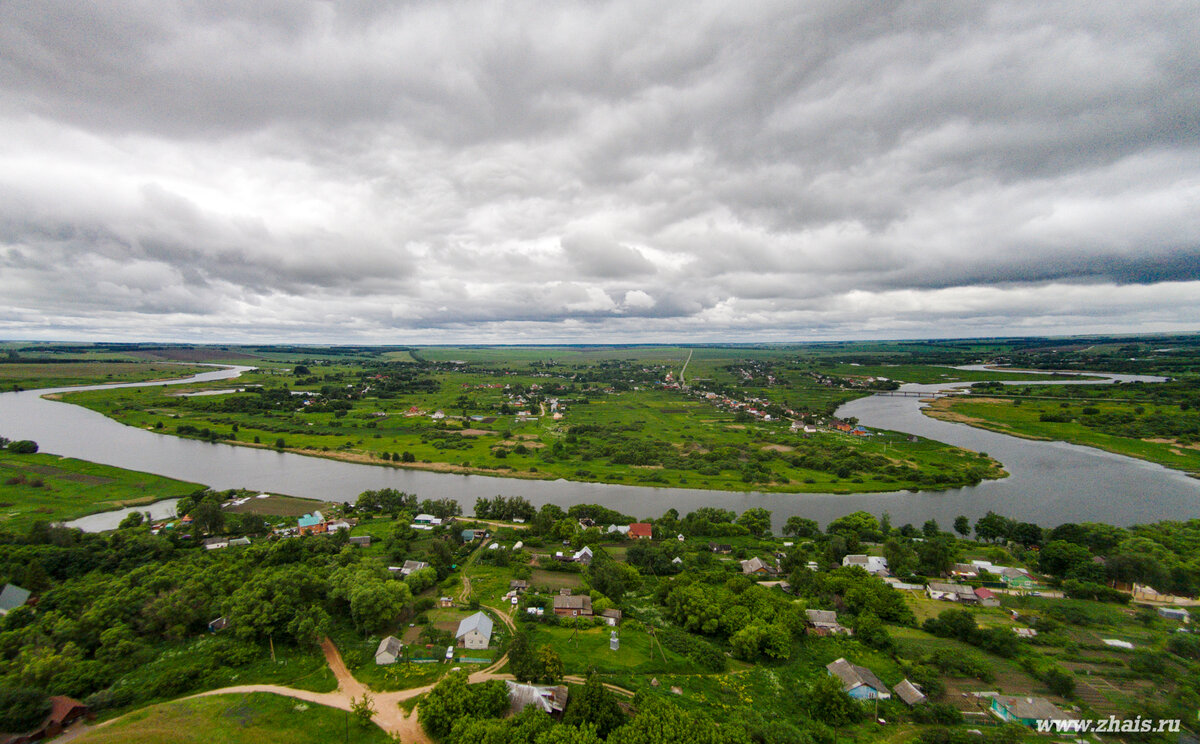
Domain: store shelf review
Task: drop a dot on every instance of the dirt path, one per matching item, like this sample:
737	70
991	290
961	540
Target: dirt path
575	679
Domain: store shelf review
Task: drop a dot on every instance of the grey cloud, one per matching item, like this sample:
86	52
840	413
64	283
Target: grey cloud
635	169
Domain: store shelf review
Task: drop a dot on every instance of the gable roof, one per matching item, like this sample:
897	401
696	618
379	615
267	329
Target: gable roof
572	602
549	699
853	676
12	597
641	529
390	645
755	565
479	622
310	520
822	616
984	593
909	693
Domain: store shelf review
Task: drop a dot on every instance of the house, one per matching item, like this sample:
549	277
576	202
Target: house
311	524
1015	578
11	598
619	529
824	623
611	617
986	597
239	542
910	693
445	602
858	682
677	561
475	631
873	564
409	567
566	605
720	548
64	711
438	415
950	592
964	571
341	524
389	650
1025	632
221	623
756	567
473	535
427	519
584	556
214	543
518	585
1026	710
552	700
641	531
363	540
1174	613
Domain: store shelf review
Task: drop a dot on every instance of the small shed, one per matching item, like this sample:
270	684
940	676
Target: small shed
910	693
1174	613
389	650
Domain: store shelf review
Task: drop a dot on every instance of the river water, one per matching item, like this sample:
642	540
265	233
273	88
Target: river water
1050	482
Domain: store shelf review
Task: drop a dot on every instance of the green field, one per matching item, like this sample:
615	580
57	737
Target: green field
60	374
608	430
234	719
587	649
1022	418
52	488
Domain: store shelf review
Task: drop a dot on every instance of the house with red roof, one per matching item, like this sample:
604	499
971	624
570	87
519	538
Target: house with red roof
641	531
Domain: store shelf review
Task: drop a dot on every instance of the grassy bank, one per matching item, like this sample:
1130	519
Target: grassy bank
234	719
52	488
59	374
1024	418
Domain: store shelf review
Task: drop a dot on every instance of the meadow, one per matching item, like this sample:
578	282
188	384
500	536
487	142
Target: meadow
52	488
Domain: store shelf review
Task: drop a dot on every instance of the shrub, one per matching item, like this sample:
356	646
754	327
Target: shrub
23	447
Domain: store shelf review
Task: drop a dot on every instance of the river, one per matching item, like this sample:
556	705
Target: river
1050	482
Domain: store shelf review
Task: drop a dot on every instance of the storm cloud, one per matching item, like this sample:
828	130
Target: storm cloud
581	171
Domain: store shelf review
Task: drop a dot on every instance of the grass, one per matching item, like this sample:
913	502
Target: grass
1021	418
279	506
234	719
589	649
61	374
52	488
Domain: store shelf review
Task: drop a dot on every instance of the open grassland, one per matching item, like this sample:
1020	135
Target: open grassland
451	420
1027	419
32	376
587	649
234	719
52	488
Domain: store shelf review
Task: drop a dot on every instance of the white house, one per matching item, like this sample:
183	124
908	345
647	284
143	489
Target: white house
873	564
474	631
388	651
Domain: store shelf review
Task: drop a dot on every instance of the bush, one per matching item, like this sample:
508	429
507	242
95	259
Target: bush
704	654
23	447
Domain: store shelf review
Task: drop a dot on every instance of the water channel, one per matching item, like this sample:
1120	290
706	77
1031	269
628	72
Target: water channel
1049	482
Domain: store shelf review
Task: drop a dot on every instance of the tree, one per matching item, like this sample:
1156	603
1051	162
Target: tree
375	604
596	706
962	526
1028	534
661	722
869	629
931	528
363	709
207	515
992	527
801	527
22	708
521	659
900	556
23	447
452	698
1058	558
549	665
757	520
935	556
829	704
860	523
131	521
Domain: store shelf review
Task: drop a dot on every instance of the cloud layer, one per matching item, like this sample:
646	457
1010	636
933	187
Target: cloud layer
476	171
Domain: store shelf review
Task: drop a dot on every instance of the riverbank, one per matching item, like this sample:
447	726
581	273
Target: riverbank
1022	418
50	488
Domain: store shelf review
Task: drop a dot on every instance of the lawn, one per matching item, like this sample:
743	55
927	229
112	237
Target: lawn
554	580
52	488
588	649
235	719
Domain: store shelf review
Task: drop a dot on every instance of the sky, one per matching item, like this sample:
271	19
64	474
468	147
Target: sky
532	172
